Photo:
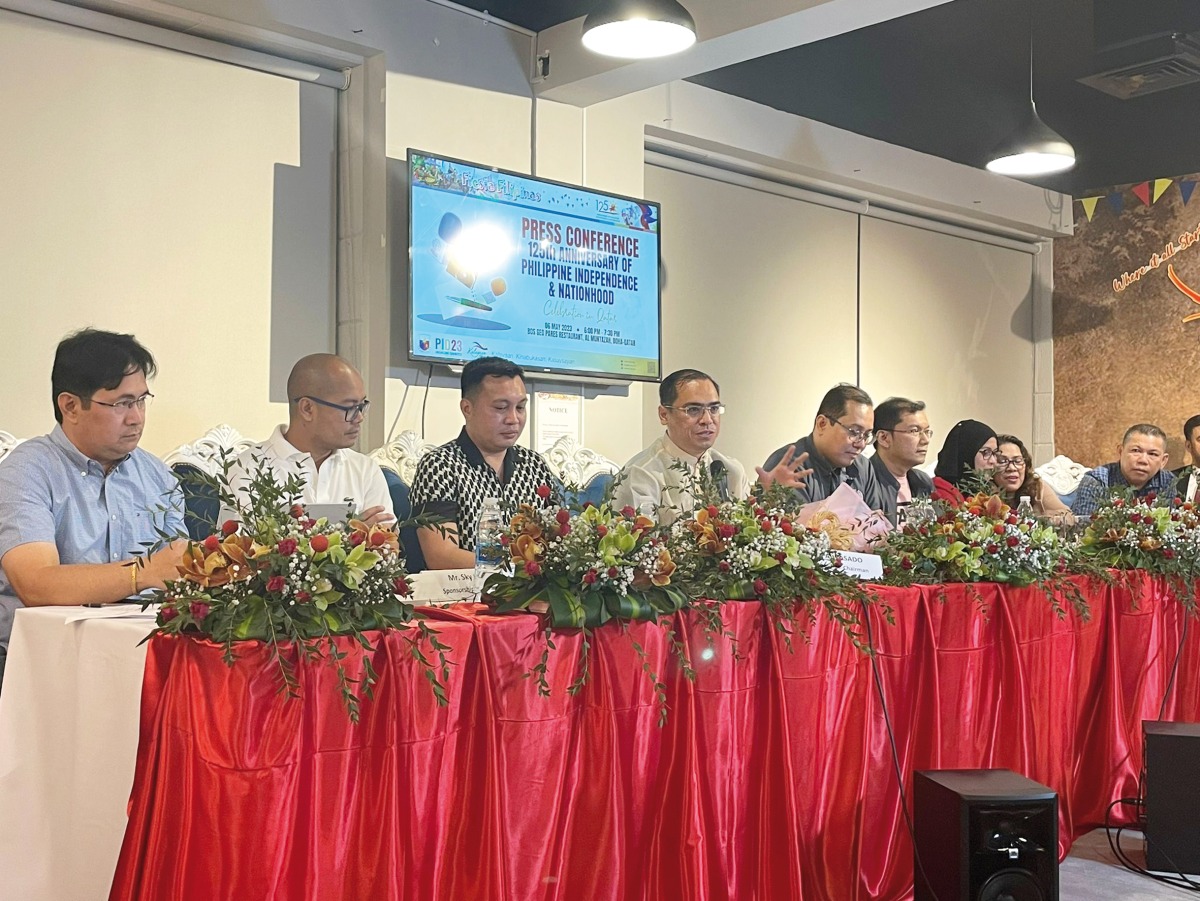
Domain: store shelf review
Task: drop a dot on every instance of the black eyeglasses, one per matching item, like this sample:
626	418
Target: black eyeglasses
857	434
351	411
1014	462
125	406
915	431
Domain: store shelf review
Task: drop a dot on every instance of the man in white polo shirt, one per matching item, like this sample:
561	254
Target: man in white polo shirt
326	408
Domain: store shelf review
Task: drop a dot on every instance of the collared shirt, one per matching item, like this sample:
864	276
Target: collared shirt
344	474
1187	482
887	495
653	477
50	492
1096	484
454	480
825	477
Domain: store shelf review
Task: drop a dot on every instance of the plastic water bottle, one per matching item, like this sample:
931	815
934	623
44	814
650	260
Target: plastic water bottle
489	552
1024	508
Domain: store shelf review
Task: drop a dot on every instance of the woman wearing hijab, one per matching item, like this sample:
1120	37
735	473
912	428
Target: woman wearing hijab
971	445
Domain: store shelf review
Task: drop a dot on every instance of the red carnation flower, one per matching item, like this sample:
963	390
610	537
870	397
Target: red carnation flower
613	572
319	543
723	566
998	529
287	547
212	543
303	597
401	587
543	491
589	577
1135	517
533	569
765	525
563	517
906	563
759	511
726	530
1013	540
992	548
1151	497
760	587
229	527
356	538
712	510
628	512
601	530
276	584
780	557
166	614
198	609
564	529
297	511
786	527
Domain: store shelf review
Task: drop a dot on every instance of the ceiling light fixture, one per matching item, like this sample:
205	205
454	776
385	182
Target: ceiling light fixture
638	29
1034	148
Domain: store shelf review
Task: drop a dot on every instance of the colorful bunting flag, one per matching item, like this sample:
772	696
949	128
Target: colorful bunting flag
1142	192
1185	190
1160	185
1089	206
1116	201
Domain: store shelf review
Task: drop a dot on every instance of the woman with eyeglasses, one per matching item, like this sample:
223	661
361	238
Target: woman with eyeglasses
1015	478
969	447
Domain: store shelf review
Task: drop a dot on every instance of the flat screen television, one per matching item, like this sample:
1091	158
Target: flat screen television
557	278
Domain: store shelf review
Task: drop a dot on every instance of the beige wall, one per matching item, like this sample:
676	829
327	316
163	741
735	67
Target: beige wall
138	197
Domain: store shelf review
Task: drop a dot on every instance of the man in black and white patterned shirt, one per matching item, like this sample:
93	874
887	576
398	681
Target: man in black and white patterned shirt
483	461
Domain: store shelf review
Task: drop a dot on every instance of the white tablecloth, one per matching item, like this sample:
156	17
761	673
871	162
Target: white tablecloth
68	739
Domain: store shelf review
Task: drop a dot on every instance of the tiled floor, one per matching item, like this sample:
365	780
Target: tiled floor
1092	873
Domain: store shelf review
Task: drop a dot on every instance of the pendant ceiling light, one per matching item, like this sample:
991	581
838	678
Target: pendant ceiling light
1034	148
638	29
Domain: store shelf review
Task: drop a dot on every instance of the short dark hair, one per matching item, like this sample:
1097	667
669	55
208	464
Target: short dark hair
889	413
668	388
90	360
1190	426
837	398
1144	428
481	368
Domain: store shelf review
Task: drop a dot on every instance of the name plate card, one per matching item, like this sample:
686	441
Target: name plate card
444	586
862	566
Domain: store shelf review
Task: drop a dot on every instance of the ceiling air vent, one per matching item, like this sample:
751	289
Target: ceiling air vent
1147	66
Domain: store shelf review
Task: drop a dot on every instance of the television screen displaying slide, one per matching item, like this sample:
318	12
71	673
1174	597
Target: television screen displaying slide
556	278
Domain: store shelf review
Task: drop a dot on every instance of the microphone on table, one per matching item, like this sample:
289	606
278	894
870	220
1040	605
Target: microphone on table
720	477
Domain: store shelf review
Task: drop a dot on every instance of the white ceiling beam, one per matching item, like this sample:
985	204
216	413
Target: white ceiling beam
727	33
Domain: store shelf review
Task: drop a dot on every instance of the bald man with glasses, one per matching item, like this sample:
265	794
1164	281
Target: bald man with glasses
326	407
663	474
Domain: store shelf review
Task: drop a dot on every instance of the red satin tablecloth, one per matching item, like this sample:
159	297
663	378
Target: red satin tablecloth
773	777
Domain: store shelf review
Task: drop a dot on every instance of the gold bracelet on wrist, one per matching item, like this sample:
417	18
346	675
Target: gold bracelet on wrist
133	578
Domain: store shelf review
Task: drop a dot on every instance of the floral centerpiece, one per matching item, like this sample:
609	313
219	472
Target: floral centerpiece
275	575
1154	534
981	540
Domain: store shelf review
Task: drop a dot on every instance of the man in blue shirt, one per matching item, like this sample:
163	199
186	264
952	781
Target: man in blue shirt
76	505
1142	466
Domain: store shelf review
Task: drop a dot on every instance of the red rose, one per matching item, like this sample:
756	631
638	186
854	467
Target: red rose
727	530
543	491
563	517
712	510
786	527
1151	497
297	511
589	577
1135	518
1177	501
356	538
998	529
1013	540
303	597
229	527
1012	519
276	584
759	511
287	547
628	512
378	538
723	566
1168	554
319	543
906	563
166	614
198	609
760	587
601	530
564	529
401	587
212	543
992	548
765	525
533	569
613	572
780	557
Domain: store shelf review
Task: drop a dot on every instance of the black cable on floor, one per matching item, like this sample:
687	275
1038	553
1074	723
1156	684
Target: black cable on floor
1115	845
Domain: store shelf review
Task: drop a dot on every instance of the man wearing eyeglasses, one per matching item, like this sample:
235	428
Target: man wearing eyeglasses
662	475
78	504
902	436
843	427
326	407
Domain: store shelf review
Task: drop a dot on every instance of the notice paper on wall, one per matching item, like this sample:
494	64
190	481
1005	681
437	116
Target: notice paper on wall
556	416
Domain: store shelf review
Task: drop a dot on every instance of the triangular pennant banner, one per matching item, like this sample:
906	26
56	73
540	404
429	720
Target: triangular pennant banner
1160	185
1116	201
1142	192
1185	190
1089	206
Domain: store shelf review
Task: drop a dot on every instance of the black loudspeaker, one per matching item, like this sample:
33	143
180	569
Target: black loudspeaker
984	835
1172	796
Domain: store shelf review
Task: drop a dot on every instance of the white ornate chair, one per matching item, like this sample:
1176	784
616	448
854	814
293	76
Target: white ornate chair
586	470
1063	475
400	455
7	443
201	506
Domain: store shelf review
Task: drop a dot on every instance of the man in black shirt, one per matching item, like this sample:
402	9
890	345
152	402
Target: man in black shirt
483	461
